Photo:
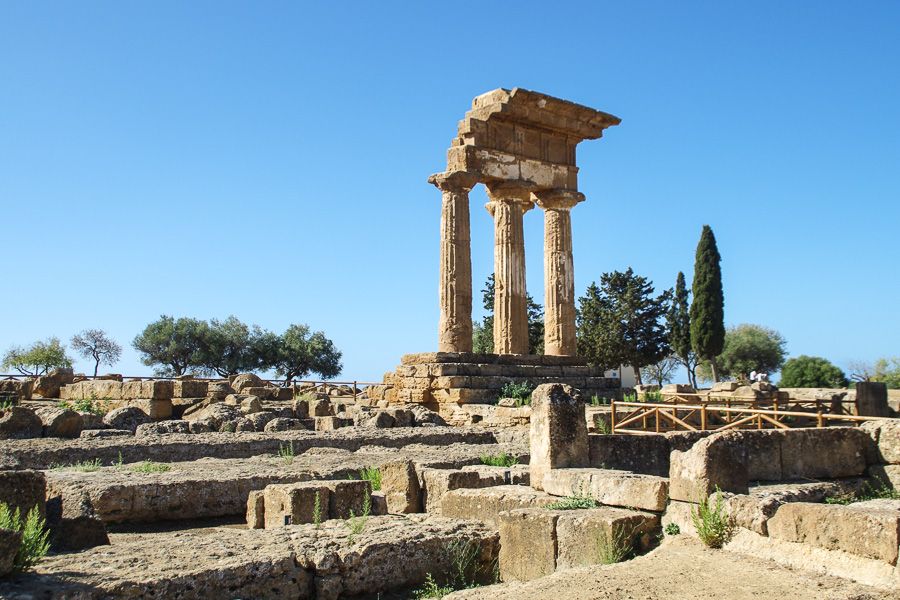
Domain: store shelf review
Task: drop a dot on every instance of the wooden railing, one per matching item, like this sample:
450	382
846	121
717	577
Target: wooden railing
645	417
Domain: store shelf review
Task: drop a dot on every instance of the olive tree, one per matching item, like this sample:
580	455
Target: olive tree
95	345
38	358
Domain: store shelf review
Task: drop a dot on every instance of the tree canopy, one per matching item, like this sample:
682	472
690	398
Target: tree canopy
229	347
621	321
96	345
811	372
38	358
173	346
678	321
749	348
707	314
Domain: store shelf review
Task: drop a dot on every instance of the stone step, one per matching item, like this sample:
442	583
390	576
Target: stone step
609	487
486	504
391	553
535	542
869	529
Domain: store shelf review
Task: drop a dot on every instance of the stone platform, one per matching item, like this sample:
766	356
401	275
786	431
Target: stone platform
442	381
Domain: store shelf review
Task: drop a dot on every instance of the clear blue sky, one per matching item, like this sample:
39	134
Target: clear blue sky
268	160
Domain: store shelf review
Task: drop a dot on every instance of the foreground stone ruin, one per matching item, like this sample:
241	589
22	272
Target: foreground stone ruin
238	515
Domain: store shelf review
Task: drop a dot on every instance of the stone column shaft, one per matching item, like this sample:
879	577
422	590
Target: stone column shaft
455	288
507	207
559	272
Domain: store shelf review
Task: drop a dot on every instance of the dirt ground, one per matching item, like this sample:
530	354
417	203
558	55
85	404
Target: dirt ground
682	569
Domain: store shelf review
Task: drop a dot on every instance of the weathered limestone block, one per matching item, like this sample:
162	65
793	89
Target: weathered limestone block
438	482
829	452
558	434
403	417
129	417
60	422
885	475
719	460
283	424
102	388
677	388
578	533
347	497
189	388
17	423
679	513
725	386
885	441
73	533
250	405
332	423
376	419
162	428
155	409
293	503
401	488
527	544
72	391
262	392
647	454
256	509
752	511
48	386
18	389
514	475
246	380
870	529
9	546
320	408
612	488
23	490
486	504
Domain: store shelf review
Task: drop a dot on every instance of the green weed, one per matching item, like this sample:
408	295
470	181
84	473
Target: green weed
286	453
672	529
148	466
879	491
521	391
430	589
372	475
85	466
35	543
714	526
317	511
498	460
614	546
574	502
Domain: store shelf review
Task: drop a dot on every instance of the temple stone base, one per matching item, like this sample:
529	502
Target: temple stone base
447	381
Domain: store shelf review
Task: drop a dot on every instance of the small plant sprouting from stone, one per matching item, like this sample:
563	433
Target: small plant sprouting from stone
92	404
7	403
286	453
317	511
305	397
120	462
502	459
602	426
84	466
372	475
714	526
35	542
614	546
430	589
520	391
355	523
462	558
229	427
880	490
576	501
672	529
148	466
598	401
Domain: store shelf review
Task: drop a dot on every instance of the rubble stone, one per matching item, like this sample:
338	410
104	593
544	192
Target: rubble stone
18	423
558	435
60	422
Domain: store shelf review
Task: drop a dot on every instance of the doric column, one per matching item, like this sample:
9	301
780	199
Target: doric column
455	291
508	204
559	271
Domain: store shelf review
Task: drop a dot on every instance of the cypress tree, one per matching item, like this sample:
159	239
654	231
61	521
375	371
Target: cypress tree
679	321
707	315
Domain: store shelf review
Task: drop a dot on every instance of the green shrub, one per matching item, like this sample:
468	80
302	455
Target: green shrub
714	526
7	403
35	543
672	529
357	523
629	398
598	401
521	391
462	558
148	466
614	546
372	475
498	460
652	397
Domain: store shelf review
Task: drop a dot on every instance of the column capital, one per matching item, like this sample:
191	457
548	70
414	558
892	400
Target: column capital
506	192
457	181
558	199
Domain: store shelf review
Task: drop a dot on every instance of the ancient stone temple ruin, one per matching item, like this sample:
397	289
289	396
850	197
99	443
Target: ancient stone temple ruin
521	145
